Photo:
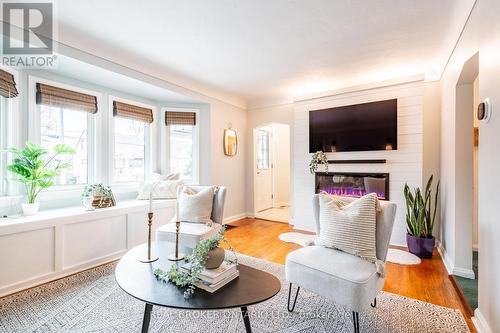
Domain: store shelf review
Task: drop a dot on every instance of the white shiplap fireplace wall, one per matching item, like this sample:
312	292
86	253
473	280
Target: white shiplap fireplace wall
403	165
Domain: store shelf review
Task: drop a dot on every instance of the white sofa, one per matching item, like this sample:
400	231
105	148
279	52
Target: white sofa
341	277
190	233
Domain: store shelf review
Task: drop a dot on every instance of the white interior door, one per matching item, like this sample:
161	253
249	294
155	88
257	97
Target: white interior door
263	171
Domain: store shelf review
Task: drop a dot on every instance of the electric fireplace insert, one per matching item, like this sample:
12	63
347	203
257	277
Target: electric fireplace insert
353	184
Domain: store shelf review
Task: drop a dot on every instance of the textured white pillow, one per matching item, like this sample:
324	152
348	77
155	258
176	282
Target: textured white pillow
349	226
195	206
162	189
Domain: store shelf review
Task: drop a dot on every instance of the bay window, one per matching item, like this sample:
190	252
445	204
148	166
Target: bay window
69	127
130	142
8	91
182	144
66	116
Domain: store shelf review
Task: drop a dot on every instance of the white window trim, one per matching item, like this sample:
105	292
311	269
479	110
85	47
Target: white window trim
125	187
165	143
13	137
63	191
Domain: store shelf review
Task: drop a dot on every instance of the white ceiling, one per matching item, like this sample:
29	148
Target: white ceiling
269	50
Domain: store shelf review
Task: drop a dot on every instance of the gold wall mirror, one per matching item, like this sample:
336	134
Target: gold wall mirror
230	142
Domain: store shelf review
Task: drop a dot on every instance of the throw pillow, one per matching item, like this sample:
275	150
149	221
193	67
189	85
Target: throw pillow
195	206
162	189
349	226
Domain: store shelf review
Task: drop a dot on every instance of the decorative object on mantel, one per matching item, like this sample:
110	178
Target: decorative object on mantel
102	196
230	142
318	158
37	172
419	220
205	255
149	258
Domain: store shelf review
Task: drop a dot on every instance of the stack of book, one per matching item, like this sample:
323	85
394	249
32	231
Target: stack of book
212	280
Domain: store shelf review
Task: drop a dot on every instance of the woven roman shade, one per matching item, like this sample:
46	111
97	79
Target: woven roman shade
133	112
54	96
180	118
7	85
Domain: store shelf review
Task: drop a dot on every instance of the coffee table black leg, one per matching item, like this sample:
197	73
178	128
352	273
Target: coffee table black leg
246	319
147	318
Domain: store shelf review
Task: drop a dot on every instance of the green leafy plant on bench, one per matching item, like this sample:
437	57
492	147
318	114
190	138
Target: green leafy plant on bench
35	170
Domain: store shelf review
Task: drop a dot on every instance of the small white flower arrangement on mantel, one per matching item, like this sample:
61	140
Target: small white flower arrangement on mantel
318	158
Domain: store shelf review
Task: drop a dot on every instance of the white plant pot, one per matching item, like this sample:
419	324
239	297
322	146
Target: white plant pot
31	209
87	203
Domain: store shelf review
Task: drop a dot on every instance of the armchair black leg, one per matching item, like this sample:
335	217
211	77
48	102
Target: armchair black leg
355	319
289	296
374	304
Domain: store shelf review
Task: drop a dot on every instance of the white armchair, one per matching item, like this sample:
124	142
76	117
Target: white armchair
190	233
341	277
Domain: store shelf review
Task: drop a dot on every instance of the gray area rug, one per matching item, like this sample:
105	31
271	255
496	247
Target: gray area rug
91	301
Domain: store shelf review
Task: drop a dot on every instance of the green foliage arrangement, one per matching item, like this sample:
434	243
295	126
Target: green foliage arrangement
186	279
318	158
98	189
419	221
36	171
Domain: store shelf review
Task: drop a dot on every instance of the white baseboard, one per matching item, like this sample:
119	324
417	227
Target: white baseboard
448	263
464	272
450	266
233	218
480	322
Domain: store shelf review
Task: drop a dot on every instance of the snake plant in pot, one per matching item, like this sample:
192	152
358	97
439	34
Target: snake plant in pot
420	217
36	171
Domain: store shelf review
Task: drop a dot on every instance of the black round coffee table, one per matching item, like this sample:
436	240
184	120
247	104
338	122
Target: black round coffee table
137	279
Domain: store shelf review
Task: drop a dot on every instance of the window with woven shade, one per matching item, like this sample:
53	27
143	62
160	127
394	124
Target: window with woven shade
183	143
65	98
8	88
180	118
67	116
134	112
130	144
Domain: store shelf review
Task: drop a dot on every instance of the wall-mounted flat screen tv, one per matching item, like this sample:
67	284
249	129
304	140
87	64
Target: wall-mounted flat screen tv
360	127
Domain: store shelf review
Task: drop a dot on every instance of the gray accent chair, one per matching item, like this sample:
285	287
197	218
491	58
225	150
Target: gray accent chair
343	278
191	233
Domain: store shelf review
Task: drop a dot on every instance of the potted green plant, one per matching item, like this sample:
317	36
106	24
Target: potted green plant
318	158
419	220
36	171
97	196
206	255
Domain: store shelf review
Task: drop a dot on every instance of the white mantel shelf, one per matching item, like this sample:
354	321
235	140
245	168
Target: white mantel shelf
59	242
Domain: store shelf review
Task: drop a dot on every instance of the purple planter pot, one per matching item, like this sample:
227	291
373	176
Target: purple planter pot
421	247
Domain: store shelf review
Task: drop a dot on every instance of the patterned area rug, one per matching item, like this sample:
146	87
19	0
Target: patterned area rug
91	301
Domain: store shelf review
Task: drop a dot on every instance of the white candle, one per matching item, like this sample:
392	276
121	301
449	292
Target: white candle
177	209
151	201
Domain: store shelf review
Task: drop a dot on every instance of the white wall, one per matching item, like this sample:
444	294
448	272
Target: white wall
404	164
432	130
482	34
475	205
281	164
229	171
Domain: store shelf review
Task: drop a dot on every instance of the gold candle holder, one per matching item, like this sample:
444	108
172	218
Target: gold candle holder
149	258
176	256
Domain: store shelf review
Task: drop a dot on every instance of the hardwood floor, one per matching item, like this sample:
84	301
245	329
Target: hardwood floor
428	282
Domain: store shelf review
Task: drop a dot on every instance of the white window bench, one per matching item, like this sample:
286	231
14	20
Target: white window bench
60	242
